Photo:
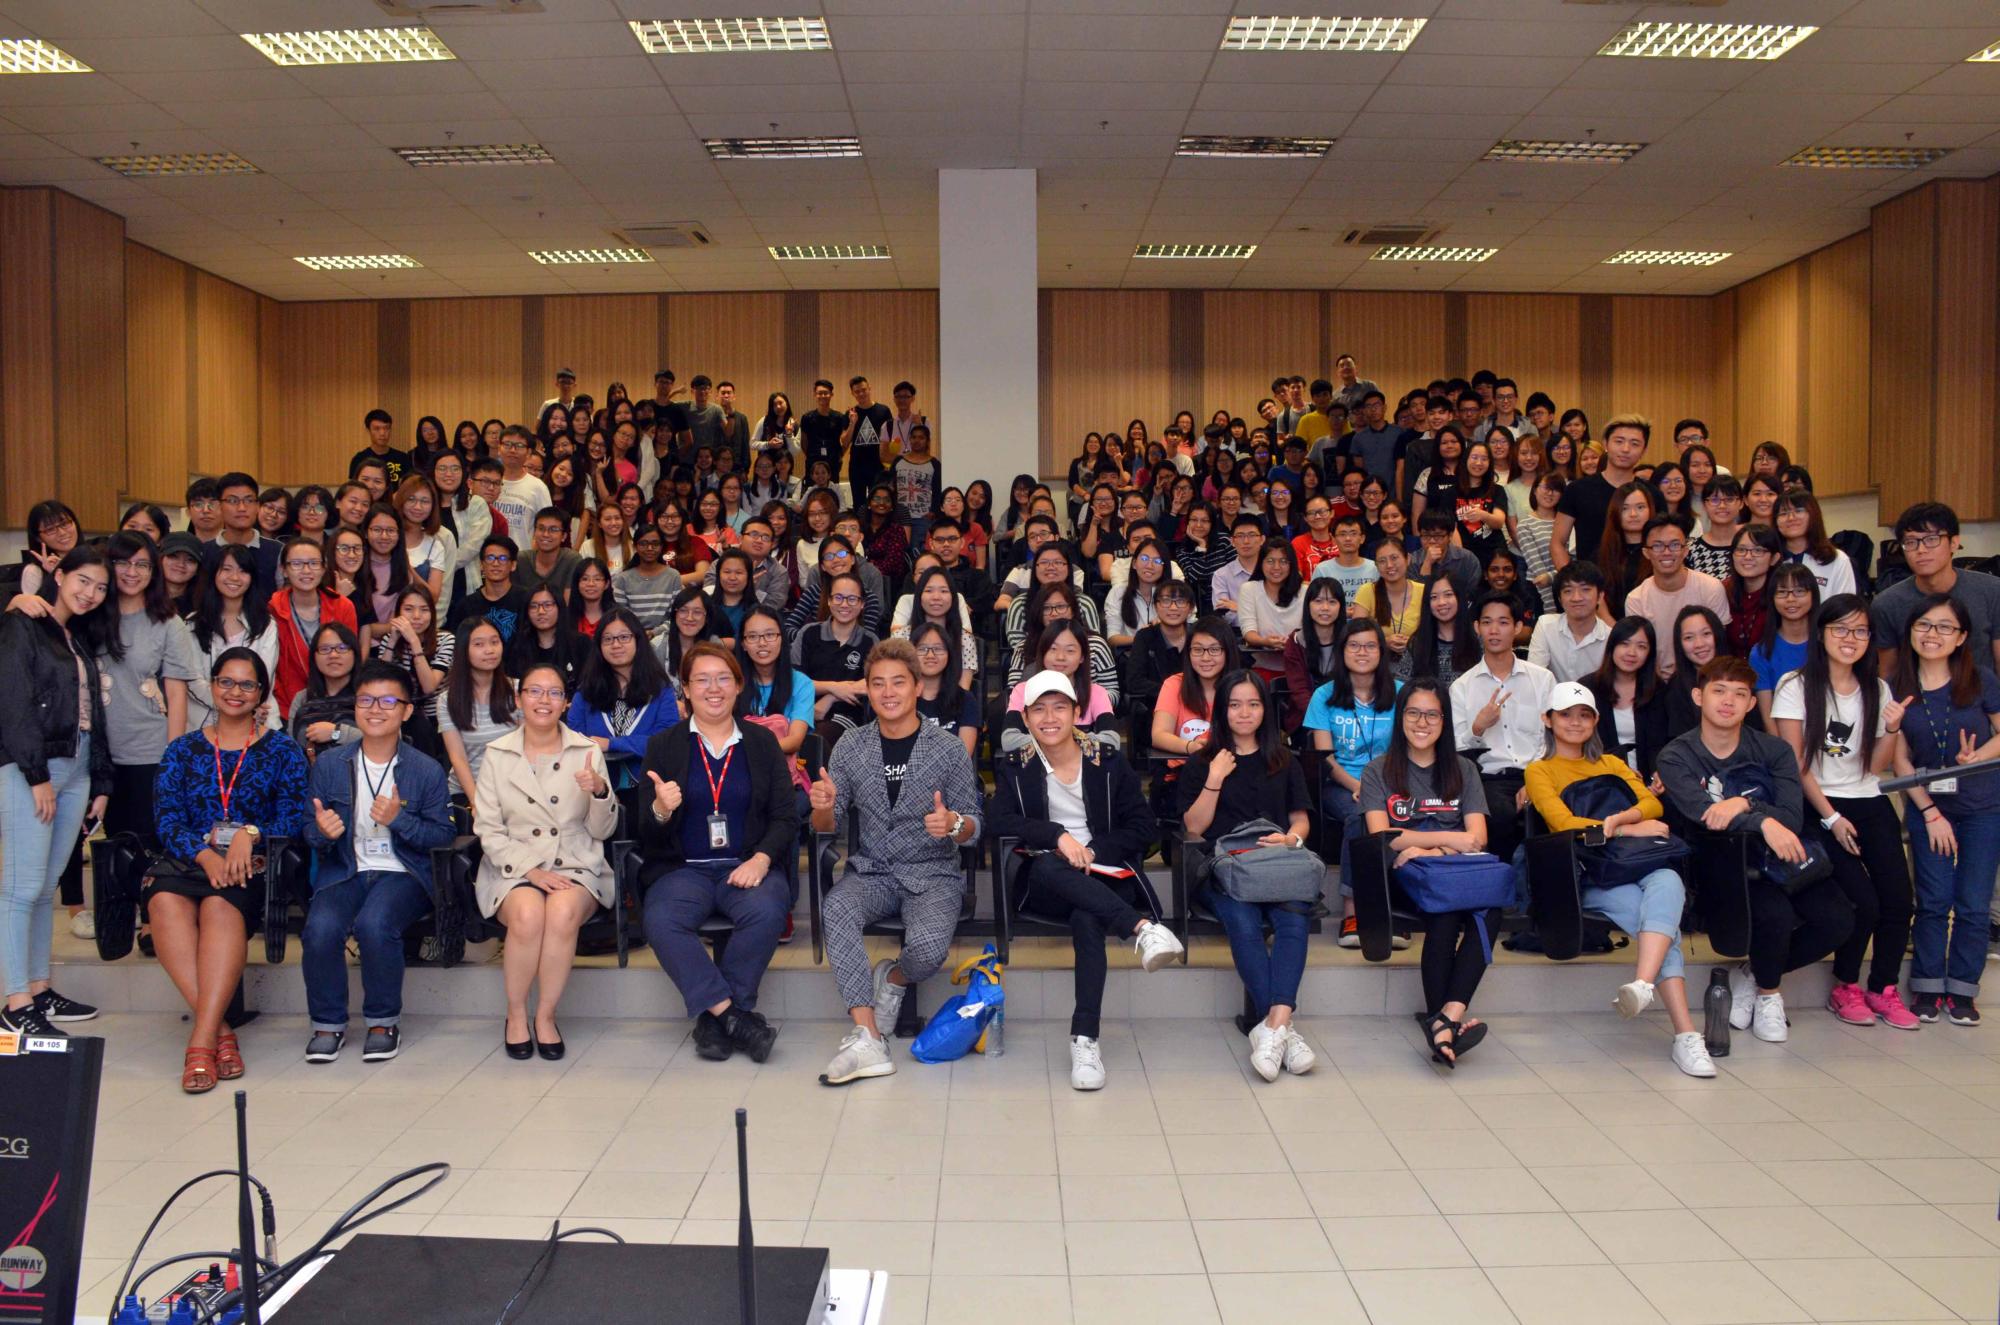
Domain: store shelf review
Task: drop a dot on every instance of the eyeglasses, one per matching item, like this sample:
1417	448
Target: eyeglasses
542	692
932	651
1365	646
1752	550
623	637
1662	549
763	637
711	681
141	564
1424	717
1792	592
331	650
1942	629
202	504
491	558
387	703
302	563
1149	561
845	599
235	686
347	550
1924	542
239	500
1205	650
1848	632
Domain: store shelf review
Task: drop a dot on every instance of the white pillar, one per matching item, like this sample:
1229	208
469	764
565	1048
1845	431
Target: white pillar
988	337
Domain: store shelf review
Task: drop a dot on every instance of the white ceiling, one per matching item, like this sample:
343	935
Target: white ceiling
1092	93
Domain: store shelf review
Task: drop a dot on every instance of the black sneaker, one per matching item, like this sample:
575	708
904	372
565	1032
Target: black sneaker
383	1043
1961	1011
1928	1007
324	1046
711	1038
29	1022
749	1032
55	1007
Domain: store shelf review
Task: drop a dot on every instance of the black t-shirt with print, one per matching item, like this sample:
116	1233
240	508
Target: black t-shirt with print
896	761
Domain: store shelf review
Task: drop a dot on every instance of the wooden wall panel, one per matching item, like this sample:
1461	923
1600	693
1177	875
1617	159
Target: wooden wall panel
227	385
739	338
1108	364
465	362
1721	418
1837	377
1532	338
886	336
1966	450
1397	339
1902	333
158	388
89	331
1248	338
320	378
1769	371
1662	365
606	338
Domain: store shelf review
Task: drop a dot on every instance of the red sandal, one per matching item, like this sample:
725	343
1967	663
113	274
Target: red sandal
228	1056
198	1071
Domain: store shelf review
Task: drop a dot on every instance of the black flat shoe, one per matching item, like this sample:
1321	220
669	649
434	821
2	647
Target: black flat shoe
521	1051
551	1050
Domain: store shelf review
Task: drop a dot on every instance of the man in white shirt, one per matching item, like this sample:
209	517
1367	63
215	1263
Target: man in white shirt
1247	537
521	493
565	389
1498	704
1672	586
1570	643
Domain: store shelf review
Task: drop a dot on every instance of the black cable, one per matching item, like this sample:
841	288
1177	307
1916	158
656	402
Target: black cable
231	1256
556	1234
347	1222
270	1228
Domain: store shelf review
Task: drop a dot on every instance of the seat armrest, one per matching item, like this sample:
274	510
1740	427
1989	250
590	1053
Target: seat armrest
1555	893
819	878
1374	895
284	879
1005	867
1718	877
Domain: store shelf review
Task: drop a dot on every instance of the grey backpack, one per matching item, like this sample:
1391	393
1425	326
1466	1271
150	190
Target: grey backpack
1248	872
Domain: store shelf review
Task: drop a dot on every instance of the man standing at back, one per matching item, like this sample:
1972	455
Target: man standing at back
1376	445
1587	501
822	435
397	463
1928	534
521	493
867	424
1349	385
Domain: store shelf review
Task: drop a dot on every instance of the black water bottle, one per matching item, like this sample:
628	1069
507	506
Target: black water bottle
1715	1013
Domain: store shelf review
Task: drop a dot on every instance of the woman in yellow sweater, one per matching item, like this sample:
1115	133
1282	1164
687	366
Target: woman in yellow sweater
1650	909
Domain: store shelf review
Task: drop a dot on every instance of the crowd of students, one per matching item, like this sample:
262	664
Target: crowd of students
1449	627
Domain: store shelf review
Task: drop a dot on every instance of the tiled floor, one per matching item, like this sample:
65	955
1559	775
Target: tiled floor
1565	1173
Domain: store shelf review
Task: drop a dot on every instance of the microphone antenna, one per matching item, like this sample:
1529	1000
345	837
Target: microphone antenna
746	1242
246	1224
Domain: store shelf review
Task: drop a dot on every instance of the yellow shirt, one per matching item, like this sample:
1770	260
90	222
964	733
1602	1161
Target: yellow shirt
1401	623
1314	426
1546	778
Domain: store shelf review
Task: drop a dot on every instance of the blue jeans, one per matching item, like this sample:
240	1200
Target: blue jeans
1270	975
32	857
375	906
1343	813
1653	905
680	900
1954	901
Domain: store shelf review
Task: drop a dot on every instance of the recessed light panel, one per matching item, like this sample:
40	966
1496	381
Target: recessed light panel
478	154
1664	257
1866	158
702	36
1707	41
1430	253
826	252
780	149
1220	144
1265	33
158	166
351	46
1542	149
1988	56
360	262
1194	250
25	55
562	257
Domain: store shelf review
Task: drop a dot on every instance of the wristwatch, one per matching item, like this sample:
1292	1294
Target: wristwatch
1297	841
957	823
252	831
1830	820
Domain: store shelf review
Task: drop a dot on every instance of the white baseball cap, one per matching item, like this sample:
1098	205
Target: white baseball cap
1570	694
1047	683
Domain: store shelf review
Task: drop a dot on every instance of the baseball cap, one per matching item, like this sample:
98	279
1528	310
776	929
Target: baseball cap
1047	683
562	373
1570	694
180	543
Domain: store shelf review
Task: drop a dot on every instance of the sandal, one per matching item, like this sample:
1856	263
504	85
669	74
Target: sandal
228	1056
1442	1051
1464	1038
198	1071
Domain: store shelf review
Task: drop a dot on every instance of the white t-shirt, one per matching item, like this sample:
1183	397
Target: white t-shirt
373	849
1066	805
519	499
1838	766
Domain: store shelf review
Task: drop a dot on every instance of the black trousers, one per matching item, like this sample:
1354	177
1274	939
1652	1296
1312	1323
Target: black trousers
1877	884
1095	907
1454	958
1788	931
1503	821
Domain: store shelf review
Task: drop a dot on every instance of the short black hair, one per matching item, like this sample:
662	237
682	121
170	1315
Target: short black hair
383	671
1691	423
1469	396
1246	518
504	543
377	415
903	386
555	513
1493	598
1661	521
1434	521
1579	572
699	382
1350	518
819	382
1542	399
1485	376
942	521
664	375
856	380
1371	394
488	465
203	489
1507	382
371	462
1320	384
1927	517
235	478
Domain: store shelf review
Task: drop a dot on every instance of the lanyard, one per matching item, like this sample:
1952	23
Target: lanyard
374	786
226	793
1944	752
708	770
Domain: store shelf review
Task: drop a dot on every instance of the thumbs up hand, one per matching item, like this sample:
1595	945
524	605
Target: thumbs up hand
939	821
822	792
666	796
330	825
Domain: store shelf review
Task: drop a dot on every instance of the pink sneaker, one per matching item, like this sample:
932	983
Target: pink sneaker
1889	1006
1849	1004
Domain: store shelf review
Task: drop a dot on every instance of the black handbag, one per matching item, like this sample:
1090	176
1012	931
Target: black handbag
1750	783
1610	862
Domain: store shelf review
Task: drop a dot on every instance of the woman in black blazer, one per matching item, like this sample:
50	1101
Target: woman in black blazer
1080	808
1631	699
716	838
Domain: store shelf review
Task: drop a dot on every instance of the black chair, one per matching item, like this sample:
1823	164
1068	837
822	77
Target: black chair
1860	550
1380	910
1555	891
1013	914
119	863
1719	874
457	920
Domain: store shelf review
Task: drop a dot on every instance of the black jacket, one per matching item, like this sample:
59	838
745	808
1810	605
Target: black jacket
1649	724
1122	826
38	702
772	826
1148	664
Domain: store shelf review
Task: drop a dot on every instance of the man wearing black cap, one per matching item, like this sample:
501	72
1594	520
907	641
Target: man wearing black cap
565	389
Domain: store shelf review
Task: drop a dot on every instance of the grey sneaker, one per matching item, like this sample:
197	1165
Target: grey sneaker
888	998
382	1044
860	1055
324	1046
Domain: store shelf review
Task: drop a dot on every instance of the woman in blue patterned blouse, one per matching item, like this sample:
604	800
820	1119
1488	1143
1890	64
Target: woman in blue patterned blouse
221	790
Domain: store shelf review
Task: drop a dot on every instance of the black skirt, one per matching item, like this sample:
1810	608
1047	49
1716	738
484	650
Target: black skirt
184	880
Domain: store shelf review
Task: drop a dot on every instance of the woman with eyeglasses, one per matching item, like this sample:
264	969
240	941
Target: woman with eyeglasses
322	714
934	598
221	790
1128	608
691	620
1794	597
227	614
431	548
477	706
940	699
833	651
545	639
53	535
301	605
589	597
1722	523
424	652
836	557
1803	528
1754	552
775	695
623	699
380	581
690	556
1951	717
647	586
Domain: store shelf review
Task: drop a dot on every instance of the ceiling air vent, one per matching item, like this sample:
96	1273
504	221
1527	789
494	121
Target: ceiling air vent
1375	236
1658	4
673	234
433	8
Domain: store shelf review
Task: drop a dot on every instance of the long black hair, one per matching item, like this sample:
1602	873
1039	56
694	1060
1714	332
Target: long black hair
1464	639
1603	681
1816	685
1686	673
256	610
1270	734
600	683
96	631
1038	643
954	625
692	593
948	701
399	560
458	682
123	546
1790	570
242	654
315	679
1342	680
781	670
1219	630
565	651
1446	776
1965	676
1322	660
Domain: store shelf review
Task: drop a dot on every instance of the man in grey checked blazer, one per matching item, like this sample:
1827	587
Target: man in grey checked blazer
912	786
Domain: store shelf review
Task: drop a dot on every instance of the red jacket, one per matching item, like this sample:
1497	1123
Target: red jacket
293	650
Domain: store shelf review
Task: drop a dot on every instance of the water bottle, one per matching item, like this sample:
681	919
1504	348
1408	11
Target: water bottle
996	1034
1715	1013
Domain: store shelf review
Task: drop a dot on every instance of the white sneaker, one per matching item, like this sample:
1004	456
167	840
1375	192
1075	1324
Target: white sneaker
1691	1054
83	925
1742	996
1633	998
1156	946
1768	1022
1086	1064
888	997
1267	1050
1299	1056
860	1055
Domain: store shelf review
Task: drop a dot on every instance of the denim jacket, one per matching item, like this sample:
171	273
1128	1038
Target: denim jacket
425	821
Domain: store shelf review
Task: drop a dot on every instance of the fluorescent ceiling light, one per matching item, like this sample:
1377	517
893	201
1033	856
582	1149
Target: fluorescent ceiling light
826	252
1222	144
351	46
1430	253
781	149
1544	149
359	262
25	55
558	257
1866	158
478	154
1265	33
1708	41
1194	250
155	166
1664	257
1988	56
701	36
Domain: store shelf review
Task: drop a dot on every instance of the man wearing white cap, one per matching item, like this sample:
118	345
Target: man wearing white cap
1080	809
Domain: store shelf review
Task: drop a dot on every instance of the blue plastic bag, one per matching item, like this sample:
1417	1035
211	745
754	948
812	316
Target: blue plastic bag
956	1027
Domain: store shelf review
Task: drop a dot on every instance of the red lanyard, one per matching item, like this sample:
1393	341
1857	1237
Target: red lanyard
714	782
229	791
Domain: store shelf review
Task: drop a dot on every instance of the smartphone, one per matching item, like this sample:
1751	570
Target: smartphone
91	825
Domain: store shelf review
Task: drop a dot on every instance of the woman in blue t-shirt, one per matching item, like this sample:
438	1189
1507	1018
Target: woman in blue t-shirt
1350	718
1794	599
1952	718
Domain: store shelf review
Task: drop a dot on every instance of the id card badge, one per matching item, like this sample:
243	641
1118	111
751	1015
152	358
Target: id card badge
718	832
222	834
1944	787
377	848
